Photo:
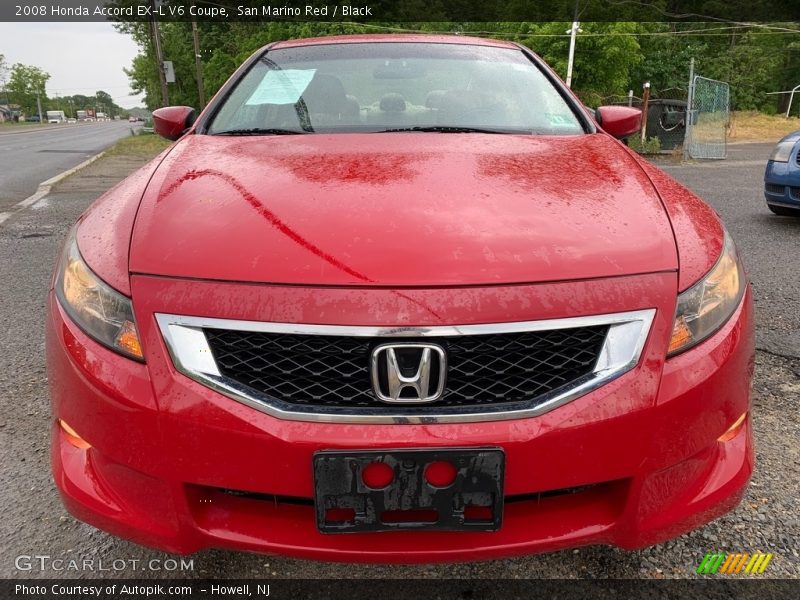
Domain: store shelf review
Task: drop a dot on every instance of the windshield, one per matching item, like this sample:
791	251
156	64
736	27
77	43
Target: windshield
375	87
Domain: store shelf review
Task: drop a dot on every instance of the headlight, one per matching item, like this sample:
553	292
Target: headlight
708	304
782	151
100	311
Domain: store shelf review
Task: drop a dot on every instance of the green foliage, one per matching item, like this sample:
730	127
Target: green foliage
100	102
666	58
752	66
754	60
604	58
610	57
651	145
25	84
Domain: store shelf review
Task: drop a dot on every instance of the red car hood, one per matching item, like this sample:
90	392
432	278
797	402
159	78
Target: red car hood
400	209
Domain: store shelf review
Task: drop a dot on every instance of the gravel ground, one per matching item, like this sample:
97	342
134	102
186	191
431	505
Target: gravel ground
35	523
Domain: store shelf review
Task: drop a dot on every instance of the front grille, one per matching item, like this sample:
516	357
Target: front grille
773	189
334	371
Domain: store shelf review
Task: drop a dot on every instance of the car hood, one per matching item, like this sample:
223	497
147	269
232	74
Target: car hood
400	209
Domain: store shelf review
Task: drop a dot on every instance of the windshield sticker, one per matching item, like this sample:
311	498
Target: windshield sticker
281	87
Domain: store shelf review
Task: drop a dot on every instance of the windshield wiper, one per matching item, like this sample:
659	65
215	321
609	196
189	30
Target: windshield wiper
444	129
260	131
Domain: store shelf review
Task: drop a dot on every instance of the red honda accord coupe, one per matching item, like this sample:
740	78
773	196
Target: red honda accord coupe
399	299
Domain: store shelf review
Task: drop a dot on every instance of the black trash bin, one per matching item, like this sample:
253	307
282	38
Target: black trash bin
666	120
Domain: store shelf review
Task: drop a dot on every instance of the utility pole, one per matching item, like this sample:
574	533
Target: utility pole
198	63
688	119
573	33
39	106
156	34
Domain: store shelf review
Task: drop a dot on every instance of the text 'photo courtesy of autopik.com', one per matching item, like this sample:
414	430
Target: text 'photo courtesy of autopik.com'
353	299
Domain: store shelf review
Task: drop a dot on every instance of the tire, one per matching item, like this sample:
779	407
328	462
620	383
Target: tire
784	211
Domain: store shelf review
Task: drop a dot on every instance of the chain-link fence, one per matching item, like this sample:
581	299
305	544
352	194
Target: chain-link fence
708	118
703	134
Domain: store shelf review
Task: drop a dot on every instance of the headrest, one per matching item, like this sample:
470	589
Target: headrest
393	103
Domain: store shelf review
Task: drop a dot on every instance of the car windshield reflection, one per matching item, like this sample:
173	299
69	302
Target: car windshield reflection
394	87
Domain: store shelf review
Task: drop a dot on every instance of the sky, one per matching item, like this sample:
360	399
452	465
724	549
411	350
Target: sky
81	58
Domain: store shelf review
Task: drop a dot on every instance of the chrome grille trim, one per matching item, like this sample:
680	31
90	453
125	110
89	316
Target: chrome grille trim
191	356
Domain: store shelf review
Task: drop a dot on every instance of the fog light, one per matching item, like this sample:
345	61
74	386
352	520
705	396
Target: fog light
73	437
733	430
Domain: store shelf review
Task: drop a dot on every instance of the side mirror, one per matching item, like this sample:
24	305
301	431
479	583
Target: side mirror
619	121
172	121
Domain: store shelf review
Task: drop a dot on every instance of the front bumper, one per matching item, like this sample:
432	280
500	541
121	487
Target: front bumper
782	183
176	466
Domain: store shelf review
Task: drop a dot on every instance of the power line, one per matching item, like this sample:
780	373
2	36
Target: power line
686	15
100	88
715	32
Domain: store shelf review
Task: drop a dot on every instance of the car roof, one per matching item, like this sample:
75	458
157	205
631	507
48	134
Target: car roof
396	37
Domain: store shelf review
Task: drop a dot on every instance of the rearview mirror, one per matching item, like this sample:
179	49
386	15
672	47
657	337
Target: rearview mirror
619	121
399	69
171	122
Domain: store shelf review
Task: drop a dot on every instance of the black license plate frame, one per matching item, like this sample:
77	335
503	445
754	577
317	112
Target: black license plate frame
345	504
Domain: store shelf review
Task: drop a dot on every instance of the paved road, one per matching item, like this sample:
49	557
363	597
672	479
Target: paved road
35	523
30	156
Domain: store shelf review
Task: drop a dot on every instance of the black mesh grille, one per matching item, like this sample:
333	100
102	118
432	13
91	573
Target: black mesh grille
333	371
330	371
773	189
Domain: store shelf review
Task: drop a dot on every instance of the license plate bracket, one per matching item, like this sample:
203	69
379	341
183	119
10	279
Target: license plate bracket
473	501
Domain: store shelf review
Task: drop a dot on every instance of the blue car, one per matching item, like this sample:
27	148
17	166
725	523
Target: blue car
782	177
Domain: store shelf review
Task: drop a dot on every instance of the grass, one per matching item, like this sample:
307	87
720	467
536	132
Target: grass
758	127
652	145
143	145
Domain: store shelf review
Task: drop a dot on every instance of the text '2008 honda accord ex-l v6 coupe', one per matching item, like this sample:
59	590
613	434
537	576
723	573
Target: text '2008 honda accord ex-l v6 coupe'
399	299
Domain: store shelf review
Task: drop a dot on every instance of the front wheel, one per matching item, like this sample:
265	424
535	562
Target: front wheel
784	211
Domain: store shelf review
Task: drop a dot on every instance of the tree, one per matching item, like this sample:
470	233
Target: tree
101	102
225	45
26	84
611	57
606	54
105	103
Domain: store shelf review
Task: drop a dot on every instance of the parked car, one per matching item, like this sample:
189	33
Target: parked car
33	119
782	177
399	299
